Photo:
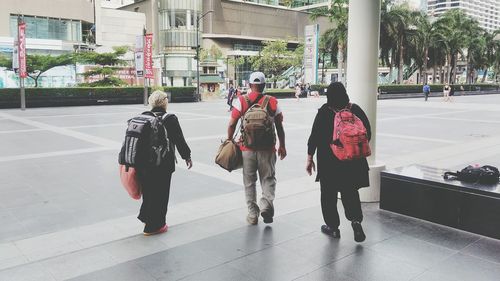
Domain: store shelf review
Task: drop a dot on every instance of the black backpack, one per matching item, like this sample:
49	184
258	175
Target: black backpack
475	174
146	142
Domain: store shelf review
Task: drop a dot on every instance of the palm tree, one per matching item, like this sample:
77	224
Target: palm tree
460	29
397	20
338	14
491	48
424	39
387	41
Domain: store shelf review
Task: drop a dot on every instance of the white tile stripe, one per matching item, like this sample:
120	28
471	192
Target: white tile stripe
415	138
67	132
21	131
53	154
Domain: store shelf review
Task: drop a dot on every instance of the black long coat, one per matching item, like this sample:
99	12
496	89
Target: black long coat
337	174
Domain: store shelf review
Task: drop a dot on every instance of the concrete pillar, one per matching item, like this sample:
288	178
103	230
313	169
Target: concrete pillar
362	59
189	24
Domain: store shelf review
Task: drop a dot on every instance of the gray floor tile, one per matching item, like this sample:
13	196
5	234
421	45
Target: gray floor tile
219	273
319	248
248	240
367	265
177	263
274	264
123	272
442	235
463	267
325	274
413	251
485	248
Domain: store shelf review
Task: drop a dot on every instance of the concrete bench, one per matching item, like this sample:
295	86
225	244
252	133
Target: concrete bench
421	192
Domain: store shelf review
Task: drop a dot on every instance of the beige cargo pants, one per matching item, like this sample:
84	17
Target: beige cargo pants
264	163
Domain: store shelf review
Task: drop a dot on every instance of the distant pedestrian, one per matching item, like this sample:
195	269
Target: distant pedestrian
230	96
308	90
427	90
446	92
154	178
258	143
298	91
334	175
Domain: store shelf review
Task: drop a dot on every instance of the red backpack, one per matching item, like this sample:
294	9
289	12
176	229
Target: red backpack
350	139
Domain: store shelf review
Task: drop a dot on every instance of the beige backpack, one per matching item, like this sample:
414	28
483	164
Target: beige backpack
257	128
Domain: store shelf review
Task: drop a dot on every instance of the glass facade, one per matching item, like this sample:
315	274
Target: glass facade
178	23
49	28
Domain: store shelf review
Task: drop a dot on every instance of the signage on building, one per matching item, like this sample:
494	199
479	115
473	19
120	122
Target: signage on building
139	64
148	56
21	39
311	34
126	74
139	56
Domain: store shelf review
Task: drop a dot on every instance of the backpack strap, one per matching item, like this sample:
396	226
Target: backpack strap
249	102
265	103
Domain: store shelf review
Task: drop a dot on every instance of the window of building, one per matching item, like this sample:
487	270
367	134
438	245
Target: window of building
49	28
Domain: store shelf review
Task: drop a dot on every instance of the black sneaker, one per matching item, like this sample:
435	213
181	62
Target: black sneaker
268	215
359	234
335	233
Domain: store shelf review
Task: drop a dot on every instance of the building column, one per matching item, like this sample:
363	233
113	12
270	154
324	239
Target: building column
362	76
188	20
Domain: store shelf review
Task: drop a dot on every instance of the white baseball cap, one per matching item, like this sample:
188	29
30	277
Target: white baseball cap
257	78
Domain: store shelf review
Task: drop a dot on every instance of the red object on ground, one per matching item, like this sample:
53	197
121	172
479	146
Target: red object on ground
130	182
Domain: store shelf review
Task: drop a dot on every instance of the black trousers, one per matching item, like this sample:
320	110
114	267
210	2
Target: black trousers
155	195
350	200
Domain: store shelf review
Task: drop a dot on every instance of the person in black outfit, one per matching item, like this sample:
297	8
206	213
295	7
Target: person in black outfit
230	96
334	175
155	181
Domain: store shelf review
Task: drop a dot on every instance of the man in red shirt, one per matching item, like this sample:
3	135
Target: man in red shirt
262	160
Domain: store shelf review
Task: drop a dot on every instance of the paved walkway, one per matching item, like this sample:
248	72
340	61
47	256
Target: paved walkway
63	214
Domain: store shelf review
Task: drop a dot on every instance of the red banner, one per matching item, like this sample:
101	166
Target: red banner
148	56
22	50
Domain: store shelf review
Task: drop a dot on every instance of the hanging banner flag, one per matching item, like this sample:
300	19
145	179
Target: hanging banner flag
311	35
21	44
148	56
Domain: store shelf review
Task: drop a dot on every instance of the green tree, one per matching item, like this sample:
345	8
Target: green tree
275	58
338	14
108	64
36	64
5	62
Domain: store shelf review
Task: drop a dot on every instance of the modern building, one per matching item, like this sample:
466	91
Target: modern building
238	28
52	25
486	12
61	26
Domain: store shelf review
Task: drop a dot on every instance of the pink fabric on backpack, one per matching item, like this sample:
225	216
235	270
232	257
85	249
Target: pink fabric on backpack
350	140
130	182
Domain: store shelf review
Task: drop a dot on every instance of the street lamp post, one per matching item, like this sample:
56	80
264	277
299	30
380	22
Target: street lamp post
198	52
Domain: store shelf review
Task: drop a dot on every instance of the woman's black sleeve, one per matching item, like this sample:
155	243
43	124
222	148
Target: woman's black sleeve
312	143
176	135
361	115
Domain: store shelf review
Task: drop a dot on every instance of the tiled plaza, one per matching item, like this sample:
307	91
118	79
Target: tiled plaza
64	215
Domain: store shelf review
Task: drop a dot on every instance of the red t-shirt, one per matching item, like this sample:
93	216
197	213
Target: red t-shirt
241	106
